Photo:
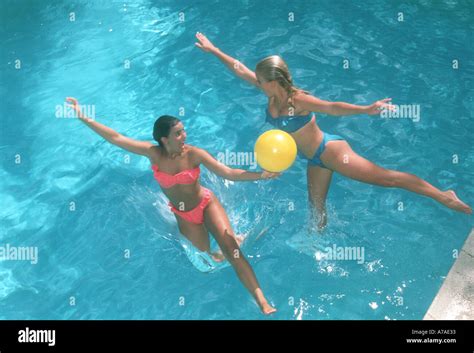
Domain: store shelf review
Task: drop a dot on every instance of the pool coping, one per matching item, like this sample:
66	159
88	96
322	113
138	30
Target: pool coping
455	298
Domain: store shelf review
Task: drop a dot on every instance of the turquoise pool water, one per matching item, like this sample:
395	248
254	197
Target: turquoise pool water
107	244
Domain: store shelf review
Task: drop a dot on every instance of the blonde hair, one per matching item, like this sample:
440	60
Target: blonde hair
274	68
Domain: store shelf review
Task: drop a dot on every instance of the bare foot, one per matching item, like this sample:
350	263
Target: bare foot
239	238
452	201
267	309
323	221
218	256
318	221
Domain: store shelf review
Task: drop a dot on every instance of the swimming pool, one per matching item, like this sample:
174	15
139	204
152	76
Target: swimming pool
106	241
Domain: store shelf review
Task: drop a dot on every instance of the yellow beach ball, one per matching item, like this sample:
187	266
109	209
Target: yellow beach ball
275	150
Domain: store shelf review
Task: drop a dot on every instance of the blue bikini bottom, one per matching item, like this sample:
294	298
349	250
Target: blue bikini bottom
316	160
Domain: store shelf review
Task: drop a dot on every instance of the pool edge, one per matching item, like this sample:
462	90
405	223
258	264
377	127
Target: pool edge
455	298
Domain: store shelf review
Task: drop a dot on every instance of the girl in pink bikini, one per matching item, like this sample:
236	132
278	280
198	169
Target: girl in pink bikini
197	210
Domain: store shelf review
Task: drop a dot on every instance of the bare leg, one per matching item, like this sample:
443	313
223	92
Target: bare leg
218	224
197	234
219	256
340	157
319	180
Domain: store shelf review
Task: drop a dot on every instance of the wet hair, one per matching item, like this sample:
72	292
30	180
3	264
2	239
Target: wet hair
163	126
274	68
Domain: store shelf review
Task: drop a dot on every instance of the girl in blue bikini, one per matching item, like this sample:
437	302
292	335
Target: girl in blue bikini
291	109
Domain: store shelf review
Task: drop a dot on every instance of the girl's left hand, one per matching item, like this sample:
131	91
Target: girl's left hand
269	175
380	105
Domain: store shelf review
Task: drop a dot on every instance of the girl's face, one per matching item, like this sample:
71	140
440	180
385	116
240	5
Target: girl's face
267	87
175	140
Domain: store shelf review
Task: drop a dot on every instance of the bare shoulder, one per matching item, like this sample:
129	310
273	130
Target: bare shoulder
154	154
302	97
305	101
301	102
193	150
195	154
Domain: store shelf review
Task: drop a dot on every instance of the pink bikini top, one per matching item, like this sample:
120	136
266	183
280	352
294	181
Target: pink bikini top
186	177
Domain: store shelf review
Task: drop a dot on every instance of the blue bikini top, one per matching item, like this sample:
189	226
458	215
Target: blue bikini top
289	123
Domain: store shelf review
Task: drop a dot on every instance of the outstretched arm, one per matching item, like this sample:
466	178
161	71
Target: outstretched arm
238	68
313	104
134	146
230	173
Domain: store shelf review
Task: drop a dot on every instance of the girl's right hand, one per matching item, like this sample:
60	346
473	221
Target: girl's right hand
74	104
204	43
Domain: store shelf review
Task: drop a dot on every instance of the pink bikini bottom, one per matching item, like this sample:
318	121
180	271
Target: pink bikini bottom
196	215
